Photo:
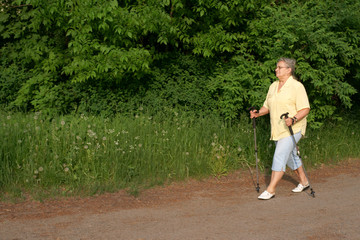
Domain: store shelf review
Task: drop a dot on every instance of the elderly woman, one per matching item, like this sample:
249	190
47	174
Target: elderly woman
285	95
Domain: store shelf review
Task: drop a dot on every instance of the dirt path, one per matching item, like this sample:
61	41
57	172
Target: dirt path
211	209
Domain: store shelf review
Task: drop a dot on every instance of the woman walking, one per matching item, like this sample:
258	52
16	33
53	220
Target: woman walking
285	95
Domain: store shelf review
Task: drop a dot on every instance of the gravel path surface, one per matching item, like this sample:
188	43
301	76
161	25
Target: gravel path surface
213	209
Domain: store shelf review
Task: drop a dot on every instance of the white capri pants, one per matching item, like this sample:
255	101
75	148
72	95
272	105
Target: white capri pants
285	154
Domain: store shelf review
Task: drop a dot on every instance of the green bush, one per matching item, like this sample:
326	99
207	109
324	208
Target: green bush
202	56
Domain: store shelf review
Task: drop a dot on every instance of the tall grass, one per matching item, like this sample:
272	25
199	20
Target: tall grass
71	155
333	142
90	154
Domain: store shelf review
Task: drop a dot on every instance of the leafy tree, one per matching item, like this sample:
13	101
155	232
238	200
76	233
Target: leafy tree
325	46
112	56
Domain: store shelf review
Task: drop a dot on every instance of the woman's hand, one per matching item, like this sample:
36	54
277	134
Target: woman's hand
288	122
255	113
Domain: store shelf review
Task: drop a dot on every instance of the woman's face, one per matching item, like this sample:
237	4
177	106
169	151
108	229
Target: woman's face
282	70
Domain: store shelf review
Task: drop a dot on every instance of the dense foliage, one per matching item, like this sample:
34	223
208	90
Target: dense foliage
203	56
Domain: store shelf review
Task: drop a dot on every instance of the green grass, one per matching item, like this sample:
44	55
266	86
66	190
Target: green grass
333	142
82	155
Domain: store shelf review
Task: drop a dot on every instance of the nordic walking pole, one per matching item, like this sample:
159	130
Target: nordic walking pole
256	158
286	115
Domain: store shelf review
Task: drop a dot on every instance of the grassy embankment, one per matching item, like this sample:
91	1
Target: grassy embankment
81	155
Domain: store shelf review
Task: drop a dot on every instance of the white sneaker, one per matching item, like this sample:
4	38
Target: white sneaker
300	188
266	195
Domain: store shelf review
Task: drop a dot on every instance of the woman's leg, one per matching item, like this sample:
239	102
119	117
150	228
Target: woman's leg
301	175
295	163
275	179
284	150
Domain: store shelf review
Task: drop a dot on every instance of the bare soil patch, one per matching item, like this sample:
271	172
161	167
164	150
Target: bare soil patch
225	208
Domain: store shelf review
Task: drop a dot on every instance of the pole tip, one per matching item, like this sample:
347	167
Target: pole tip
312	193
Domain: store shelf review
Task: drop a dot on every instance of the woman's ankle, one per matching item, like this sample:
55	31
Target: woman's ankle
272	191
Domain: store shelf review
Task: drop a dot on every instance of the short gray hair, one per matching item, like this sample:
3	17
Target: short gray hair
290	63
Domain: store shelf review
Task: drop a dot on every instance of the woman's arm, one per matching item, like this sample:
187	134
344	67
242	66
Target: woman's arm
298	116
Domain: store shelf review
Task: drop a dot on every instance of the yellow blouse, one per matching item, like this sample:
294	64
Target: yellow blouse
291	98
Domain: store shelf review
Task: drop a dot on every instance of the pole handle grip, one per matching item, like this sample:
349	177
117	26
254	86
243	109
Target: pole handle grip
286	115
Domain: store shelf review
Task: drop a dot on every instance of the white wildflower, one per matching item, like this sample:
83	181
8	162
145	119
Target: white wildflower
91	133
